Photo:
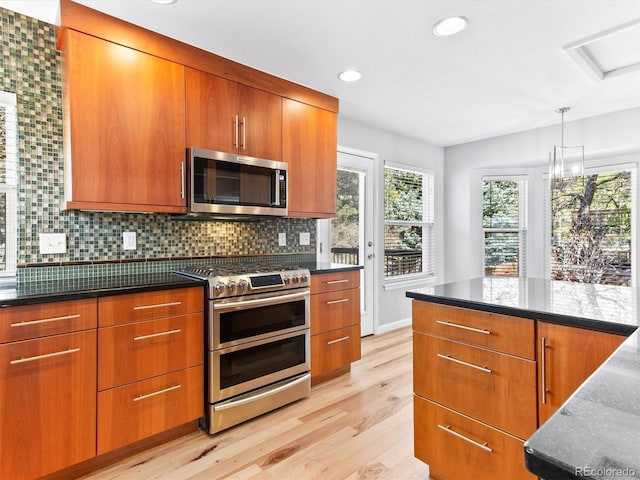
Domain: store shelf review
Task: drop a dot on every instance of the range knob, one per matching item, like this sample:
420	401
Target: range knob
219	288
231	286
243	285
295	278
287	279
304	278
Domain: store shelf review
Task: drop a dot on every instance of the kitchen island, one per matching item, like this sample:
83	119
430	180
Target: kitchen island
596	432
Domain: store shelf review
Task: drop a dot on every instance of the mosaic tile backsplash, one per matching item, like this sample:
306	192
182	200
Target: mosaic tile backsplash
31	68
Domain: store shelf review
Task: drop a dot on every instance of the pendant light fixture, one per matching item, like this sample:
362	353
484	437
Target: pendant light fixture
564	161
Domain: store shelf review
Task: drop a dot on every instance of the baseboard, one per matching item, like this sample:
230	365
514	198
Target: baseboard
387	327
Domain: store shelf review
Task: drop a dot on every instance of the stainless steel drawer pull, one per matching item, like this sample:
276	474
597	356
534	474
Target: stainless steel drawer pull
342	300
46	355
464	327
44	320
159	392
159	334
333	282
341	339
483	446
466	364
157	305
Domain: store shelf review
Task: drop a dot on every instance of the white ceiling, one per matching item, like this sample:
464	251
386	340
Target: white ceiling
506	73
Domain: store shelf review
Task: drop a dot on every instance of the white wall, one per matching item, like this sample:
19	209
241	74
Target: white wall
393	308
608	139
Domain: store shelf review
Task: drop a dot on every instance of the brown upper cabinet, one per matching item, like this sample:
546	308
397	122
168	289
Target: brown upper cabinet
125	128
230	117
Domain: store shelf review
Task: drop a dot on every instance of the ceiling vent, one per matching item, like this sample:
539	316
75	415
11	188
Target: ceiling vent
610	53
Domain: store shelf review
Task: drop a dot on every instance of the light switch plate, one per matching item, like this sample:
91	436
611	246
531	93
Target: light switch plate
305	238
53	243
129	240
282	239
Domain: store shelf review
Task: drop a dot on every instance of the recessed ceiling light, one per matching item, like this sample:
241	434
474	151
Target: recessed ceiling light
164	2
350	76
450	26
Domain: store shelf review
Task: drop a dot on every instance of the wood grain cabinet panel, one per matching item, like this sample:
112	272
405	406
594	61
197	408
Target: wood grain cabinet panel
334	310
494	388
502	333
31	321
47	404
227	116
458	447
309	146
566	357
138	410
127	353
125	127
335	350
334	281
135	307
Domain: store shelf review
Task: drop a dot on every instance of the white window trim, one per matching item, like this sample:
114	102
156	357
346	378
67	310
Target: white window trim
9	101
401	281
523	219
602	168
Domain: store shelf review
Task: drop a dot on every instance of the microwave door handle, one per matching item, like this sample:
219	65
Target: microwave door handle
276	179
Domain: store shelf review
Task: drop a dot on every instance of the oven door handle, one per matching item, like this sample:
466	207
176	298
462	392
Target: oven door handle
253	398
263	301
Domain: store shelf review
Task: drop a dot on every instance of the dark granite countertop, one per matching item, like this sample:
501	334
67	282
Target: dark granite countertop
69	289
598	307
328	267
596	433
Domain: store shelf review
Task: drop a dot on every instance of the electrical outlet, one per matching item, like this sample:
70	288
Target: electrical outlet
53	243
282	239
305	238
129	240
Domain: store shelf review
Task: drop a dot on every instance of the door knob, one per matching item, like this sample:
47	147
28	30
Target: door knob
370	243
371	256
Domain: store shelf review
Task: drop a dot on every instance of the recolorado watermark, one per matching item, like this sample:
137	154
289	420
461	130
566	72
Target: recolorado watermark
605	472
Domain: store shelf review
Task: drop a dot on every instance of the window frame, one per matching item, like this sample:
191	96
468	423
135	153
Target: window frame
427	225
523	219
9	187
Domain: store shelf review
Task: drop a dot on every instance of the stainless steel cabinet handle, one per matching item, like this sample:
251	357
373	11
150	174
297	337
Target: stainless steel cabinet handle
342	300
153	335
159	392
341	339
483	446
244	133
543	368
464	327
46	355
157	305
333	282
44	320
181	179
461	362
235	128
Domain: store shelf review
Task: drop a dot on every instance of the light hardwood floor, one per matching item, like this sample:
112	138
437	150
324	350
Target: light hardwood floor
358	426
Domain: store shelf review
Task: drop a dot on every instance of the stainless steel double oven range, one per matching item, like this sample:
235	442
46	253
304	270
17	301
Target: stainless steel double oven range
257	339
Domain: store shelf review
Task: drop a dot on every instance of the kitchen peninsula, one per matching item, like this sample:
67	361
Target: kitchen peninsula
496	363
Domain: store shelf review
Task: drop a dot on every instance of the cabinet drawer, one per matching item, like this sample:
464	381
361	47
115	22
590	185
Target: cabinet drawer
329	282
491	387
136	411
335	349
136	307
502	333
30	321
333	310
127	353
456	446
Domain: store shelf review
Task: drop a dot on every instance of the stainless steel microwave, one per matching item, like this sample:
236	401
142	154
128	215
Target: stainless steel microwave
228	184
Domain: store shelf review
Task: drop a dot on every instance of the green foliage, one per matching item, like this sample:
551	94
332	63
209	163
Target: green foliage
402	195
500	204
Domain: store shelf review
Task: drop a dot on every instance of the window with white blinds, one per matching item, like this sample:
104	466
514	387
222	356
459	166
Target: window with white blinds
589	226
8	155
408	223
504	223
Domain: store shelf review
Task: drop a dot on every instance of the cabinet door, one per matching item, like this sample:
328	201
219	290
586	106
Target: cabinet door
335	349
260	115
566	357
333	310
127	127
212	106
47	404
309	146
